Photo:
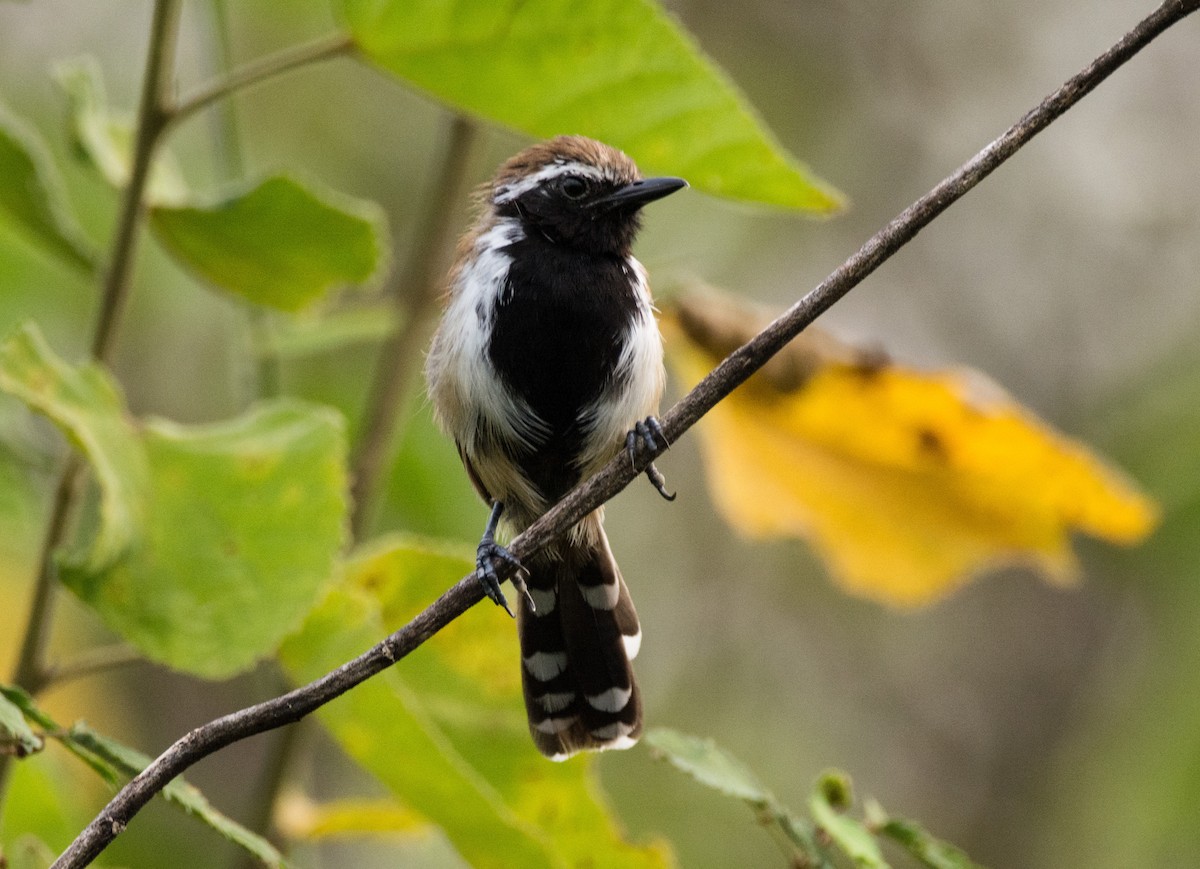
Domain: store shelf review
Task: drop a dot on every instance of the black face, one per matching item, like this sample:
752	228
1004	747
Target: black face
580	211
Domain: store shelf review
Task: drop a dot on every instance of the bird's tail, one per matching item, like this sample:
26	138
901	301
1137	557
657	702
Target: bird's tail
576	649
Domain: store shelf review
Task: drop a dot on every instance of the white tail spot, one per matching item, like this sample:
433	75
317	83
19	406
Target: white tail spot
612	700
554	725
601	597
544	666
617	733
556	702
633	644
545	599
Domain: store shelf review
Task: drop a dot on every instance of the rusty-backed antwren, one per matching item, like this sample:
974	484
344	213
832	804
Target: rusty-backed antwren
546	363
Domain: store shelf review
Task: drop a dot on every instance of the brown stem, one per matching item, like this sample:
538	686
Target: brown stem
734	370
154	113
414	293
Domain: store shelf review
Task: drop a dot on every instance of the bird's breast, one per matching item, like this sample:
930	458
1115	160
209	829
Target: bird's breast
559	331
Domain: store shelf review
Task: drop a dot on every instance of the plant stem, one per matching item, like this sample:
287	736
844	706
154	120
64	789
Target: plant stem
414	293
92	661
154	113
731	373
260	70
153	110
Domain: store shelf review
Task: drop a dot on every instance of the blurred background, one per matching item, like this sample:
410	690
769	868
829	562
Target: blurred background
1031	726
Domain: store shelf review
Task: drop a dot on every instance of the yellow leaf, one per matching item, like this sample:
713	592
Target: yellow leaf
300	818
905	482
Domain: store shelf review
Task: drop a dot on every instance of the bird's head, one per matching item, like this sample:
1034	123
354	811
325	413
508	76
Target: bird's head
576	192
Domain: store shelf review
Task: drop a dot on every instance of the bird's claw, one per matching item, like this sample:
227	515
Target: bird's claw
649	432
487	557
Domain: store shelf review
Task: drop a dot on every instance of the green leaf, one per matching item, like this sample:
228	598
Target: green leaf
618	70
178	792
213	540
276	244
15	732
87	407
23	701
245	519
105	140
709	764
445	730
32	195
927	849
829	799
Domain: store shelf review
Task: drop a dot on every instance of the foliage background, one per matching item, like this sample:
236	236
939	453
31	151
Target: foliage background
1030	726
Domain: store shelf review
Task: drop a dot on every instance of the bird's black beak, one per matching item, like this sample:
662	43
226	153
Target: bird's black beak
633	196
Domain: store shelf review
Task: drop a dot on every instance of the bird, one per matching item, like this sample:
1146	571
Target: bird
546	363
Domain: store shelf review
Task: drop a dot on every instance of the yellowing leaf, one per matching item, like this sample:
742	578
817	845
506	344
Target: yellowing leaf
905	482
298	817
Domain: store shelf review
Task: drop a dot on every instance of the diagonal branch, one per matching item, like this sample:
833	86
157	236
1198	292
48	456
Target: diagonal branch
617	474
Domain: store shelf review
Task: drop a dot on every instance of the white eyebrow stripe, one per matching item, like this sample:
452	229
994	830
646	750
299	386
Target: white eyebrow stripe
517	189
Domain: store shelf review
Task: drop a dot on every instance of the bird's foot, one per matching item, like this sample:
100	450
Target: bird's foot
649	433
488	556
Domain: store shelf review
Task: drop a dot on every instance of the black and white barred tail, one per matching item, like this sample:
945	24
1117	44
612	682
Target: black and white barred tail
580	693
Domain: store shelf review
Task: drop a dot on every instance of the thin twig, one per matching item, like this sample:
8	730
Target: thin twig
153	113
736	368
260	70
414	294
99	659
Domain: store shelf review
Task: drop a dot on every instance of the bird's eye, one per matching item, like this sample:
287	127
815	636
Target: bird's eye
573	188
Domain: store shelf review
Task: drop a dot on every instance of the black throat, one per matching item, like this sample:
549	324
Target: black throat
558	328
